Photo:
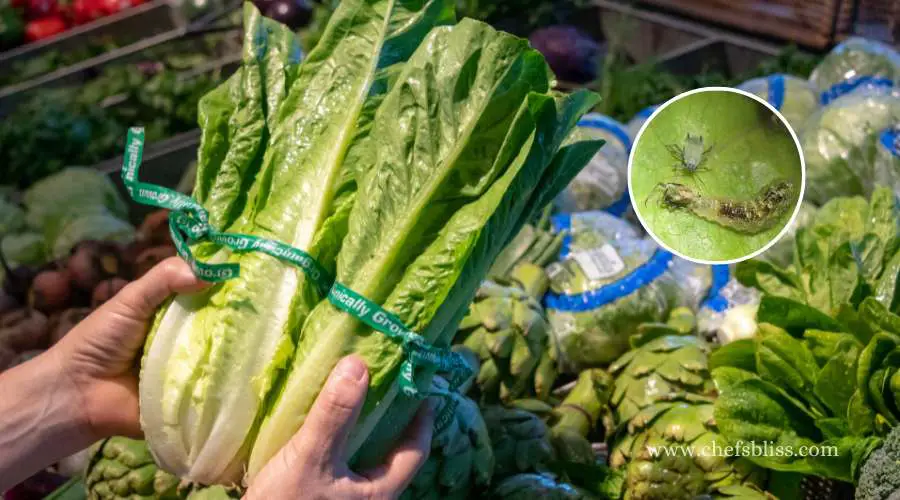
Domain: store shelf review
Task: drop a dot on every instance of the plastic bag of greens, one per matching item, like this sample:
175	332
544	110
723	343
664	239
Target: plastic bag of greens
794	97
887	159
782	252
854	59
637	121
839	142
608	281
729	311
603	183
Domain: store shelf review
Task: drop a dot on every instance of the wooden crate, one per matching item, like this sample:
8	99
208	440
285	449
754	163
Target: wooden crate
813	23
878	19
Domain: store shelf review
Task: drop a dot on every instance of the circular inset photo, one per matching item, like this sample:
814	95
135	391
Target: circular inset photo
716	175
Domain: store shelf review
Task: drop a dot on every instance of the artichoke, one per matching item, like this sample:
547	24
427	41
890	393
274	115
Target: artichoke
520	439
667	438
506	326
124	468
578	416
537	487
461	457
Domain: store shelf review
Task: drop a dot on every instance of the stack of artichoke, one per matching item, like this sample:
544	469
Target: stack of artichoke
537	487
124	468
663	401
461	459
520	439
583	412
506	326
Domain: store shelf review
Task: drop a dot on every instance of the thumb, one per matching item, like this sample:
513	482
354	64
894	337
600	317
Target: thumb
323	437
140	299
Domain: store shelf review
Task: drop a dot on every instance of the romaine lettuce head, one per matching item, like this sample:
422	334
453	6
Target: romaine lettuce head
855	58
272	164
794	97
69	192
839	143
426	227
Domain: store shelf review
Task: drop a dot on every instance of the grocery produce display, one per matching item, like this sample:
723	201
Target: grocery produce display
393	159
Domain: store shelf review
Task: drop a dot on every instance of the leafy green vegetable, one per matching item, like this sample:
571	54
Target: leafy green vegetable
402	167
276	170
845	254
799	392
84	124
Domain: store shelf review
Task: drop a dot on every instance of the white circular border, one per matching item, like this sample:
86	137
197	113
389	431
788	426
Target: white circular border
777	113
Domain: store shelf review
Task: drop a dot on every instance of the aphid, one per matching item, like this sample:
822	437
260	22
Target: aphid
692	156
746	216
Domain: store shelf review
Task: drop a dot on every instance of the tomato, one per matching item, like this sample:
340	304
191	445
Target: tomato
113	6
39	9
44	27
85	11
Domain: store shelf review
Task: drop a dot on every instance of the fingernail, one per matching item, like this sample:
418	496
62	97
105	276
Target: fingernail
350	368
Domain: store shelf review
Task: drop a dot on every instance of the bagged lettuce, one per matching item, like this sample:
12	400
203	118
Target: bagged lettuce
637	121
603	184
854	59
839	143
794	97
470	144
607	282
728	312
887	159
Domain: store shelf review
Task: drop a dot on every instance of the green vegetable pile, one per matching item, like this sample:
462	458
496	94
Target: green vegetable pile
402	154
83	125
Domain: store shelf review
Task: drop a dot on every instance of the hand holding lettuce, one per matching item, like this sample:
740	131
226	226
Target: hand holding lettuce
411	220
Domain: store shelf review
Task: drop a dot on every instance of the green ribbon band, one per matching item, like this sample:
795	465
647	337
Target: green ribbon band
189	223
418	351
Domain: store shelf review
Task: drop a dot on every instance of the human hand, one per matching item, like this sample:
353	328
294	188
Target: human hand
313	463
98	356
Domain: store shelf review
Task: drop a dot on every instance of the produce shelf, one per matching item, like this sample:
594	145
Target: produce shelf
142	21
